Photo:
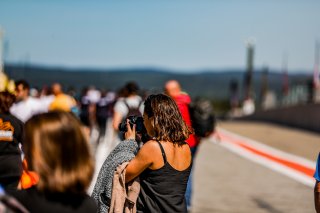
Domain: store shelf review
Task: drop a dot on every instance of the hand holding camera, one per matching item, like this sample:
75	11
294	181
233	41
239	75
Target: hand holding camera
131	131
138	120
133	128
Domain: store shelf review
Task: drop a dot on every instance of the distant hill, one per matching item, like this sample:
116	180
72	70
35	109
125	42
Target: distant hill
213	84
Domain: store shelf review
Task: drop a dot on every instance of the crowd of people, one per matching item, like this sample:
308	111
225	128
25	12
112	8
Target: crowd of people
45	141
45	137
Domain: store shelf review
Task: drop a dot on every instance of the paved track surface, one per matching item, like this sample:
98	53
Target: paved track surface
226	182
295	141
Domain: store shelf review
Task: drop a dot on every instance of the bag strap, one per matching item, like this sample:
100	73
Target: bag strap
127	105
125	102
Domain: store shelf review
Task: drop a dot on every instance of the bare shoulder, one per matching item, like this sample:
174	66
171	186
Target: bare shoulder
150	146
148	151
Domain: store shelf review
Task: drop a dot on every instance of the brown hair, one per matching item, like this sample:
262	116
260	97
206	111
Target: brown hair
57	149
6	101
167	120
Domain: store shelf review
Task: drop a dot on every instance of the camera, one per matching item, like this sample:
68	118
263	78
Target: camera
137	120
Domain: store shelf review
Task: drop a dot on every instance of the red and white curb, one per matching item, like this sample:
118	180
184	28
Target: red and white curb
298	168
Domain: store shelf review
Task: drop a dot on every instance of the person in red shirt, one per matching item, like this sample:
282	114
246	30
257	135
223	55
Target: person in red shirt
182	99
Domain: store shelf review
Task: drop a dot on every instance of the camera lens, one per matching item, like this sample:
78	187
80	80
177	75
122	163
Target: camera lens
137	120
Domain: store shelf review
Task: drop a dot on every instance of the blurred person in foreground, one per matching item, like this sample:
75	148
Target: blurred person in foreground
25	106
163	163
11	133
61	100
57	149
317	186
173	89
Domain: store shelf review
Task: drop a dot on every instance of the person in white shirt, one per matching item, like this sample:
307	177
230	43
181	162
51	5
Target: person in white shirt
26	106
131	99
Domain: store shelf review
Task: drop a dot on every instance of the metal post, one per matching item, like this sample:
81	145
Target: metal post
249	71
316	66
316	81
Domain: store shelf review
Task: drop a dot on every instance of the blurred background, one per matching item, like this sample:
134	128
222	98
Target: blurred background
255	61
228	47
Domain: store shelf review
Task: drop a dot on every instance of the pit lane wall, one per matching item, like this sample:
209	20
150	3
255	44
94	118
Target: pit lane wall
305	116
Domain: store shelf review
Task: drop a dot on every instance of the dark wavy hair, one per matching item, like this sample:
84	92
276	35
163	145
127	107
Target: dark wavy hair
6	101
168	123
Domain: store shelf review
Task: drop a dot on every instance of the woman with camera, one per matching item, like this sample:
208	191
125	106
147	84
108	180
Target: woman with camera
164	162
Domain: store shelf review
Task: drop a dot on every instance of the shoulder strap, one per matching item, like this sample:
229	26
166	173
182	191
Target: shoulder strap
163	153
125	102
127	105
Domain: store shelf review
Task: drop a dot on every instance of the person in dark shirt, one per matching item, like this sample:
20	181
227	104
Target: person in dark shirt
11	131
56	148
163	163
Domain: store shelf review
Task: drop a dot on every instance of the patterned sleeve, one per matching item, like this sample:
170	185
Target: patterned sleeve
124	152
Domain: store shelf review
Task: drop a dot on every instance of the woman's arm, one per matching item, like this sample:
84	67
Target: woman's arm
143	159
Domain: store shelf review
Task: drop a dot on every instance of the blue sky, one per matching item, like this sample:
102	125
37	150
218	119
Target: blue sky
175	34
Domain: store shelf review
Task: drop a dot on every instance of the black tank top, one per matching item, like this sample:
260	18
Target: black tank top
163	190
